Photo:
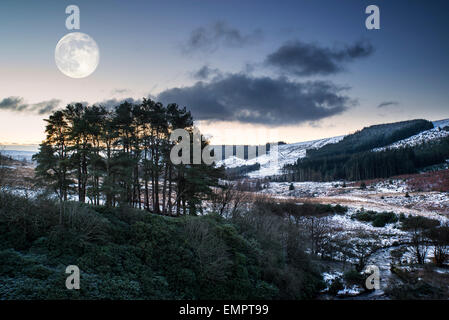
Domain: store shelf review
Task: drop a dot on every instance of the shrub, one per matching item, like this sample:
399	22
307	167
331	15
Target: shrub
336	286
378	219
383	218
418	223
415	291
125	253
339	209
353	277
294	209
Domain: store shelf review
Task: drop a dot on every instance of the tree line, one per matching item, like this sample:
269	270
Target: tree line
372	137
369	165
353	158
121	156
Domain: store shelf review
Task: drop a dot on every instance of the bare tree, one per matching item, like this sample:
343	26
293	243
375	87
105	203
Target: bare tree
228	200
222	198
440	241
419	242
318	232
211	251
419	247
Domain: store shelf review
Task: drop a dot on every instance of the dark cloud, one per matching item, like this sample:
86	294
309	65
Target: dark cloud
264	100
18	104
306	59
387	104
11	103
205	73
210	38
111	103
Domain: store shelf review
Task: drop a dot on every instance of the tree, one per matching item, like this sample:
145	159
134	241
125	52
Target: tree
318	231
439	238
122	156
3	169
53	157
420	243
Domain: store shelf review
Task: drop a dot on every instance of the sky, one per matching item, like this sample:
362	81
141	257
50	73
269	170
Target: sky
251	71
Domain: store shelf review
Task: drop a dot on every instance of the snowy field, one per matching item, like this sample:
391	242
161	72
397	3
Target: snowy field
391	195
381	196
273	162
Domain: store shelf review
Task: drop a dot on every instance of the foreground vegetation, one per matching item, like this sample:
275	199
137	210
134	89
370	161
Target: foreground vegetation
126	253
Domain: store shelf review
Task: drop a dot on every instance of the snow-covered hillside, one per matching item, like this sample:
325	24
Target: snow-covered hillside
18	154
432	134
273	162
441	123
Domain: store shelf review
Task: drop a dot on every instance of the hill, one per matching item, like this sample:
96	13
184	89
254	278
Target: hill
353	158
372	137
405	133
273	162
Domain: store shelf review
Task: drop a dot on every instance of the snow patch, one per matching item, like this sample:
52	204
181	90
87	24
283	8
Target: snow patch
272	163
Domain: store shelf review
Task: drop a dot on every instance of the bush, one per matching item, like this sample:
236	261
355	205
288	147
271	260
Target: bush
384	218
415	291
298	210
336	286
418	223
353	277
378	219
339	209
126	253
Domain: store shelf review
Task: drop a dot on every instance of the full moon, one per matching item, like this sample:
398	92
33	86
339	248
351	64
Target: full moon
77	55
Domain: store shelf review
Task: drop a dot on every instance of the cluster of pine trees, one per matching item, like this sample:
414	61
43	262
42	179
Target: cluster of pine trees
372	137
121	156
241	171
369	164
353	159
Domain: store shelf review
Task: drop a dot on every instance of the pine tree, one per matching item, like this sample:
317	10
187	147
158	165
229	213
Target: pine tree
114	155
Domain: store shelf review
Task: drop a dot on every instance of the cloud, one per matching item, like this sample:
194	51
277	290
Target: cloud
18	104
306	59
210	38
387	104
259	100
111	103
120	91
205	73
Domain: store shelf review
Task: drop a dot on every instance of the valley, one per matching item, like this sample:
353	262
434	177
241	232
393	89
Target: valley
345	238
